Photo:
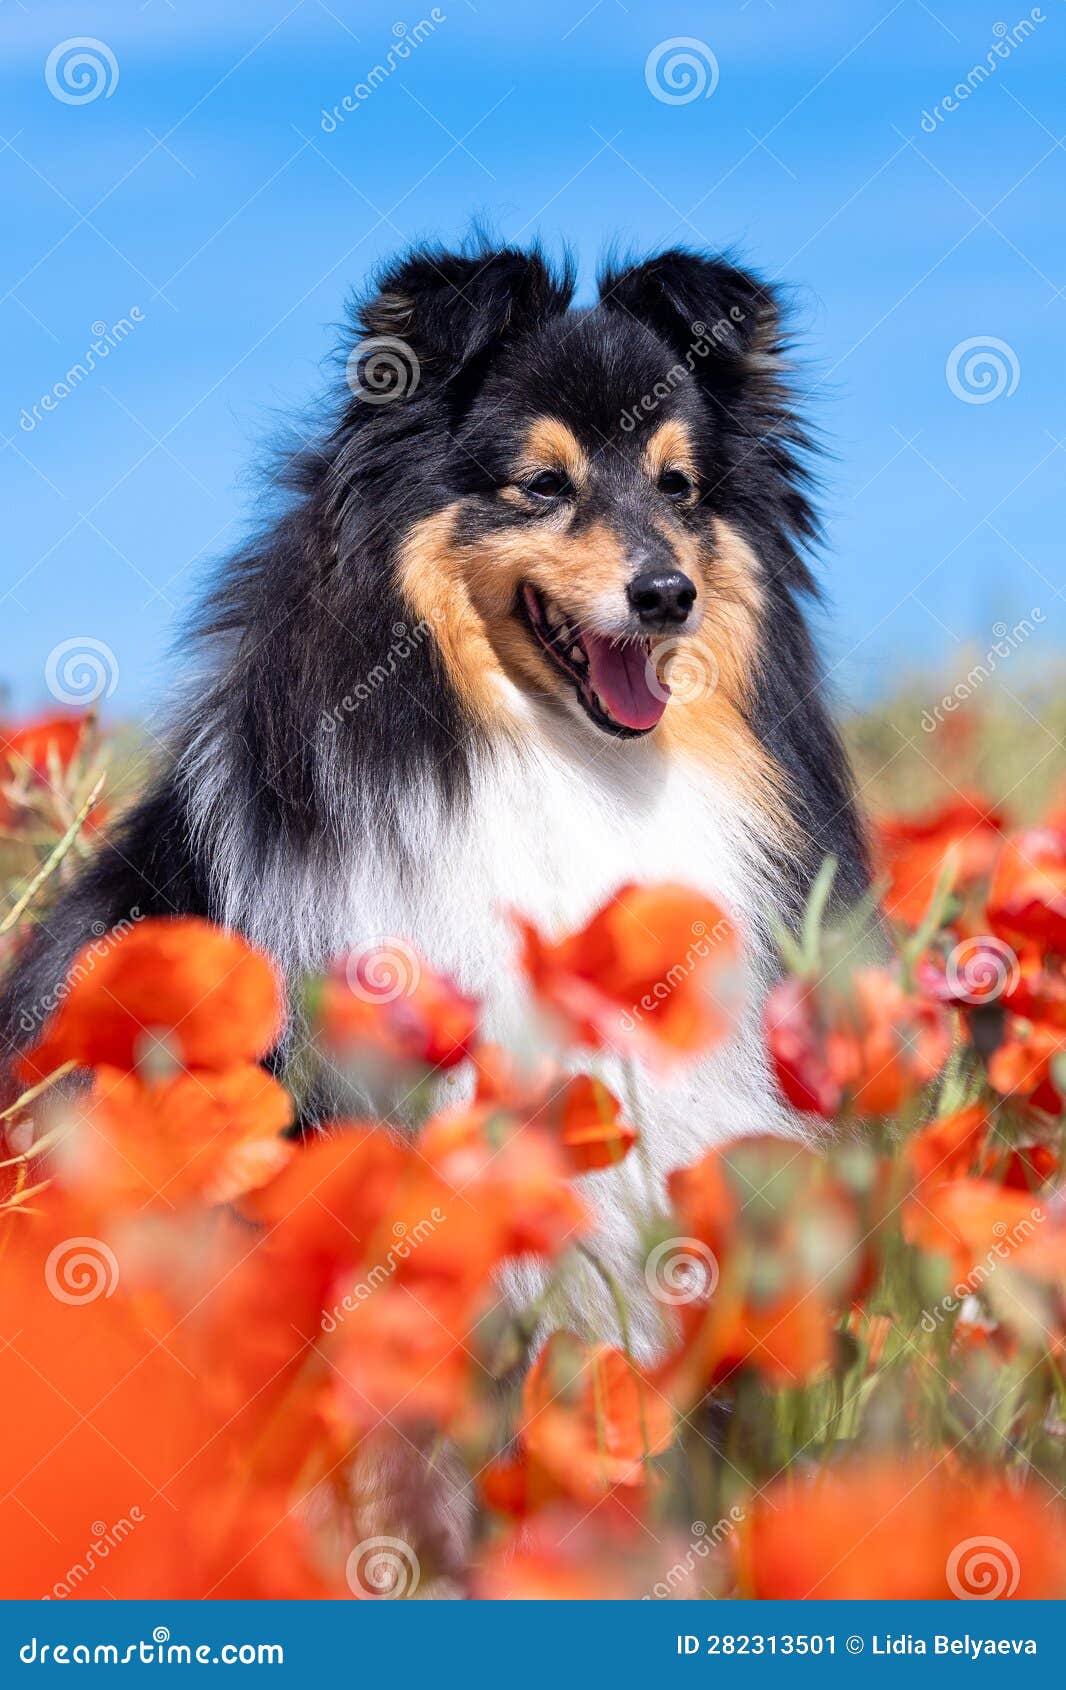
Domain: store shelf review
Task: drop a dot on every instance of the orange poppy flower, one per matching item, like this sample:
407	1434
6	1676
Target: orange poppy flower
906	1531
775	1236
949	1147
591	1417
655	972
578	1110
911	852
332	1200
1024	1065
867	1047
1027	900
175	982
206	1135
389	1001
512	1180
973	1222
407	1355
39	744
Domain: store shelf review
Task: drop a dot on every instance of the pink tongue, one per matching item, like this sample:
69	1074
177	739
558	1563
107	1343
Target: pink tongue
624	676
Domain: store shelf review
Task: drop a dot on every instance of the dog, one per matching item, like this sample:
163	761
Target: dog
530	625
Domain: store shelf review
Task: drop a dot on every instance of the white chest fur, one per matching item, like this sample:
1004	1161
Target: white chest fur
552	828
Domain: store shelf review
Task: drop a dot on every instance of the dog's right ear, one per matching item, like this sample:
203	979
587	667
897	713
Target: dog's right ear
451	309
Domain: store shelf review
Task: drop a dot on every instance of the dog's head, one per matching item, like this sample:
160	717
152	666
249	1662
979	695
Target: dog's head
585	492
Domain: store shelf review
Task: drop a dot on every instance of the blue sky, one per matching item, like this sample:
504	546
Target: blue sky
204	196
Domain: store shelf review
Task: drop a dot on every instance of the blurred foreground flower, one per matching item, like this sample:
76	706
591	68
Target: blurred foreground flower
863	1043
175	985
655	972
920	1530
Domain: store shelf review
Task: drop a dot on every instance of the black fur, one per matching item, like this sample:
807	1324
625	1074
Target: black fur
312	605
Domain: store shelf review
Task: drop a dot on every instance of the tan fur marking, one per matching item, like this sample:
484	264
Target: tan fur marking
549	444
706	718
433	583
670	447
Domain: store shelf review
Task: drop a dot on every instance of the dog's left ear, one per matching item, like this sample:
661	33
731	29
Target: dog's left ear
690	301
451	308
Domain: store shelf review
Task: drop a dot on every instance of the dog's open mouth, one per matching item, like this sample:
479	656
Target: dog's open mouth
615	680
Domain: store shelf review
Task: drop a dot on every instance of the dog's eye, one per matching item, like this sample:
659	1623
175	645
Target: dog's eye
675	484
547	484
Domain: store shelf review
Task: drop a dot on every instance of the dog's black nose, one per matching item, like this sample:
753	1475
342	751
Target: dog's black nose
662	598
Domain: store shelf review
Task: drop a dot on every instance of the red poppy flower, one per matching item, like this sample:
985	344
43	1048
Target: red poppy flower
1027	900
388	1001
911	851
577	1110
949	1147
206	1135
591	1417
867	1046
202	994
913	1530
655	971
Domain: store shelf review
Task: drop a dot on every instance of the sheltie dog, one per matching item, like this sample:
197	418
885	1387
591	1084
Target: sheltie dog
530	626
